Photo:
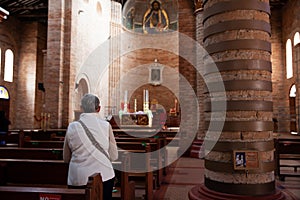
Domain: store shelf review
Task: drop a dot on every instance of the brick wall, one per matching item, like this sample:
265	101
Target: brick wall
27	42
10	38
285	24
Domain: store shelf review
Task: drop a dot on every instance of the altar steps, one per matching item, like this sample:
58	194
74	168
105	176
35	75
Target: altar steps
196	148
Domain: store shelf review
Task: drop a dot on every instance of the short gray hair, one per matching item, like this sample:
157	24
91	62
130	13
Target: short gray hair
90	103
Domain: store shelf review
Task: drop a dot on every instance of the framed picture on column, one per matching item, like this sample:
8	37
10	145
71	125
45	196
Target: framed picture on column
245	159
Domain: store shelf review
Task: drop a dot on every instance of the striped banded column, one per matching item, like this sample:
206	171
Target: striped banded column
241	163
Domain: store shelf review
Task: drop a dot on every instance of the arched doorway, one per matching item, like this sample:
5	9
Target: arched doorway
4	101
80	89
292	104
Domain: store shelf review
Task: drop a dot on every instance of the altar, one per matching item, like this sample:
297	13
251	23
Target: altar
134	119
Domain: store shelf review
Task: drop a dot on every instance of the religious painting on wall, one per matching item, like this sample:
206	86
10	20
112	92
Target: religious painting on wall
151	17
155	19
155	73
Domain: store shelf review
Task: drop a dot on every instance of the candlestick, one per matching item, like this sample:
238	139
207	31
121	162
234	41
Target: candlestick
147	96
42	120
48	121
125	96
125	107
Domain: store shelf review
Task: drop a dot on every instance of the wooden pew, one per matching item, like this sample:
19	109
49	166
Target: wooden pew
170	134
11	138
287	155
11	173
139	168
31	153
49	134
17	137
159	158
43	144
126	189
92	191
29	171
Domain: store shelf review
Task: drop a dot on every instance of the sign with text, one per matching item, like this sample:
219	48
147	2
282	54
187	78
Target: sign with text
50	196
245	159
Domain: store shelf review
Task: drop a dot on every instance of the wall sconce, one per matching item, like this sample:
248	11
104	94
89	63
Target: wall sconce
41	87
80	11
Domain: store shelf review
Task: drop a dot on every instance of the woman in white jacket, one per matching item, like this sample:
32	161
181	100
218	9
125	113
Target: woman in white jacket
85	159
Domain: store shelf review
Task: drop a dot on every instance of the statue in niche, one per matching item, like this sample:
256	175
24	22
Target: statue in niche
155	19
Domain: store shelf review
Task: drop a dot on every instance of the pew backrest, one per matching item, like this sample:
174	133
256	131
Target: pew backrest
93	191
31	153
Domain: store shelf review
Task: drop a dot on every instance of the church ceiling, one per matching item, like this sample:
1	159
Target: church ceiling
37	10
27	10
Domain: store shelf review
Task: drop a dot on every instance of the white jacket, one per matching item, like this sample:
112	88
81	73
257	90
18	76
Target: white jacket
85	159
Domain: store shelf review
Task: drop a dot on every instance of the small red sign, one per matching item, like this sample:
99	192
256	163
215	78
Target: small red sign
50	197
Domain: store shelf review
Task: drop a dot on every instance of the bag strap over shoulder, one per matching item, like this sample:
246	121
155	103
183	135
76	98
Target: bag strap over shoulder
93	140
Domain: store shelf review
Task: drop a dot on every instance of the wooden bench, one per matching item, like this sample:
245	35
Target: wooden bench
126	189
31	153
287	155
50	134
11	138
169	134
17	137
159	155
92	191
43	144
32	172
31	179
139	168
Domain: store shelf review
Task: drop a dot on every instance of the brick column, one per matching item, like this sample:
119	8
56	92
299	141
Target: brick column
200	67
188	122
27	76
237	37
56	73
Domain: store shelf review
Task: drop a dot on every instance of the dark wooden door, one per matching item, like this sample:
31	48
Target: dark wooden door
4	105
293	118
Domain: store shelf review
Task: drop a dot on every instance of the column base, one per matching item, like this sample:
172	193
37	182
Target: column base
200	192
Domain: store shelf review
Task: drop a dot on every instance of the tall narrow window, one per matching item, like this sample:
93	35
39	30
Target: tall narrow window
289	59
8	65
293	91
296	38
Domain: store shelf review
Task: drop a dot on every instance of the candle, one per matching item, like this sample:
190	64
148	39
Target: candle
135	105
42	120
147	96
125	96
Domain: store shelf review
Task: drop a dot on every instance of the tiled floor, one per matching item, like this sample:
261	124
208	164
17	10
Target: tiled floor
185	173
291	186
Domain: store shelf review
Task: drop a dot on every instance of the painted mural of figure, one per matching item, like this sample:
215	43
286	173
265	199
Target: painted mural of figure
130	19
155	19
